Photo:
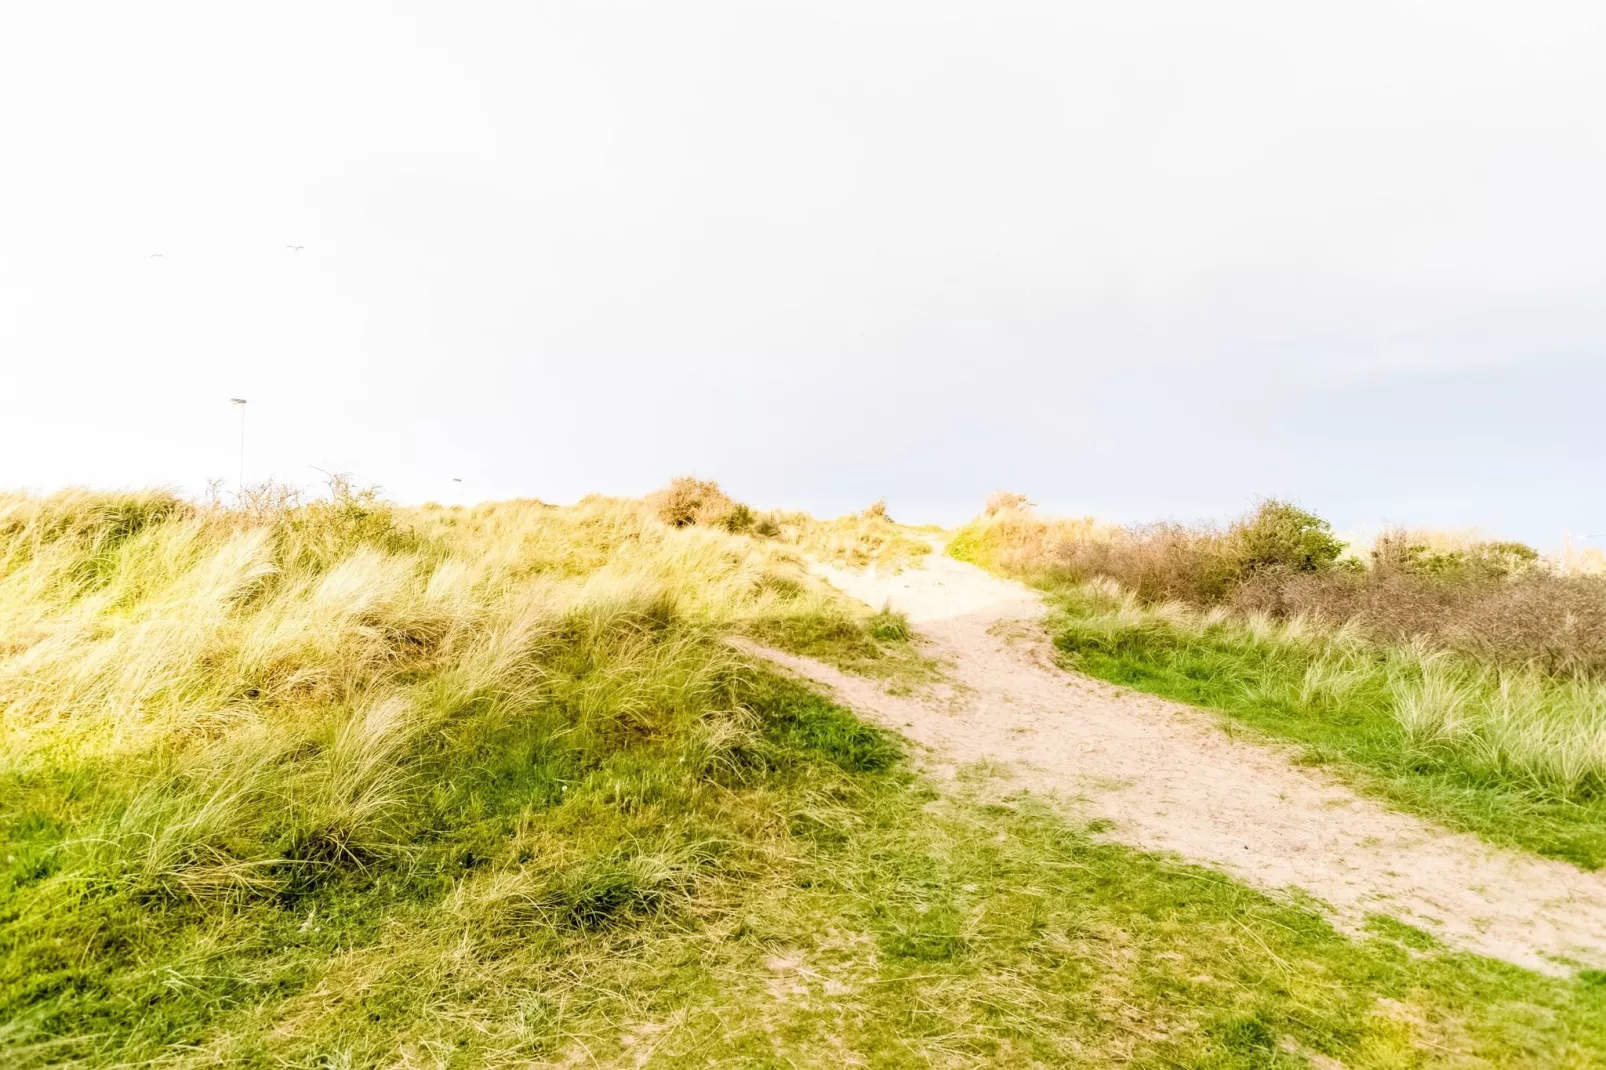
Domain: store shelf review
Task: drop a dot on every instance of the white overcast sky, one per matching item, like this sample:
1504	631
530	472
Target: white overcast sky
1144	259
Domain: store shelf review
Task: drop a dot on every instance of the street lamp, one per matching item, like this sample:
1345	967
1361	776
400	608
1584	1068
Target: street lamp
240	404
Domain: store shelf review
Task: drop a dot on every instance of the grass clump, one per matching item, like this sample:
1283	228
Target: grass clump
889	625
879	645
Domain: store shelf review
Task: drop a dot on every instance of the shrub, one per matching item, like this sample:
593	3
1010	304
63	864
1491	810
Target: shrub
1494	601
1400	551
876	510
687	501
1278	535
1000	501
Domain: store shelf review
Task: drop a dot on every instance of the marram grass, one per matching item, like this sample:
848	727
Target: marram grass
335	785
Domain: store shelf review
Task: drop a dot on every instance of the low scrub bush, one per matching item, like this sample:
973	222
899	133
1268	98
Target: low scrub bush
1492	601
687	501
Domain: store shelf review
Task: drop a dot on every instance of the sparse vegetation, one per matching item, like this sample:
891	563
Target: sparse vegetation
824	627
863	540
1466	684
1000	501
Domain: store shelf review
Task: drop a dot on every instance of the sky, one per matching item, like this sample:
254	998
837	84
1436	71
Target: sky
1154	259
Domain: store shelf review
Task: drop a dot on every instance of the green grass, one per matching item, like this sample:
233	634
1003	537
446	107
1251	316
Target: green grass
880	645
1344	708
973	928
798	902
540	853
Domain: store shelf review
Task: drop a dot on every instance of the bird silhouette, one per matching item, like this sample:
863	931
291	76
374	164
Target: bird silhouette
295	248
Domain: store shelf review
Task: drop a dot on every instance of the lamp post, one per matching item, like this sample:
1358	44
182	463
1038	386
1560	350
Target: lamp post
239	403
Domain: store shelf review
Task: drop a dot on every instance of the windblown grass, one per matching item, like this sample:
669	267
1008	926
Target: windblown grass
859	540
312	784
229	713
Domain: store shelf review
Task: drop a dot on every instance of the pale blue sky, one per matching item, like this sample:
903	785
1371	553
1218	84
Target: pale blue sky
1143	260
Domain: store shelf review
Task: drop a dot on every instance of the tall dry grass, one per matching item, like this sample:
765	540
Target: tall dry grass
474	745
269	677
866	539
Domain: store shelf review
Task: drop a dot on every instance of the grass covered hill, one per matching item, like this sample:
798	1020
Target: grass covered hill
247	747
336	784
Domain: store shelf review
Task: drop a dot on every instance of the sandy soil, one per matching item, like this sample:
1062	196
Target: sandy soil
1168	777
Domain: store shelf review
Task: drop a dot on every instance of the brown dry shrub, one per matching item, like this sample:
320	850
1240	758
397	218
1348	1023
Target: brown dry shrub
1202	564
1557	623
1534	618
688	500
1000	501
1158	562
1492	601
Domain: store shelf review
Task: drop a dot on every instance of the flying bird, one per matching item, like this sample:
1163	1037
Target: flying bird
295	248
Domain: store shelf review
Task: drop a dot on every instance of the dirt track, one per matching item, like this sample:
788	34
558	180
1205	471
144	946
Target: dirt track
1169	778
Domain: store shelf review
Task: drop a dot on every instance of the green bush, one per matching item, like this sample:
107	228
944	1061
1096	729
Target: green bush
1397	552
1281	536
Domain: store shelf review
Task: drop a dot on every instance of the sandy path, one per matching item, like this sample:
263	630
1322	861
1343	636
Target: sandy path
1170	779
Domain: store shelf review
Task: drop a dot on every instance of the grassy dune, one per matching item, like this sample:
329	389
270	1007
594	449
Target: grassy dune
1461	688
334	784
